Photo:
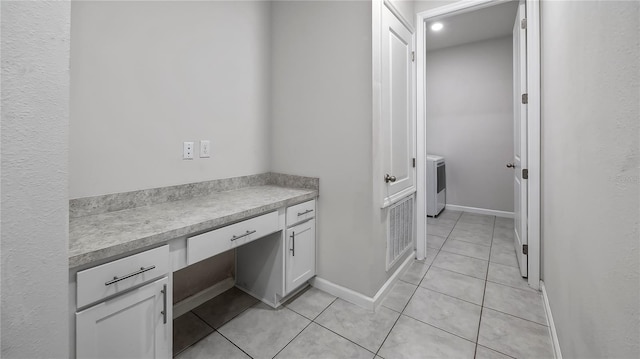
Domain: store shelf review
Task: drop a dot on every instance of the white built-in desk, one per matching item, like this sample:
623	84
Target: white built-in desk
122	262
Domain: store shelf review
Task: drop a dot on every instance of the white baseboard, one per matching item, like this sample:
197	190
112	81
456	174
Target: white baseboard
552	326
489	212
359	299
202	296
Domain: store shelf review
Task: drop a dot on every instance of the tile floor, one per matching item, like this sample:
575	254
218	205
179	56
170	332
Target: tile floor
465	300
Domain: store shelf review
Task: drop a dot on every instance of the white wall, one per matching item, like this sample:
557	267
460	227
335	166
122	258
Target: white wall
590	175
406	9
321	127
35	115
424	5
470	121
147	76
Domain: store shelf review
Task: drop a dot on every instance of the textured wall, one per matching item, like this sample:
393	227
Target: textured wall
470	121
147	76
590	175
35	115
321	126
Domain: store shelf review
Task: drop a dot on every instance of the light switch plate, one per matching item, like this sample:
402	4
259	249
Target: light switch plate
205	149
187	151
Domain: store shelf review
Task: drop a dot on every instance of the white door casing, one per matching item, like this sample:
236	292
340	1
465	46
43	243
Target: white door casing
533	124
398	116
520	137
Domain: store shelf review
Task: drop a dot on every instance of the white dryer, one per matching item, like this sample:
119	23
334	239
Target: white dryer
436	185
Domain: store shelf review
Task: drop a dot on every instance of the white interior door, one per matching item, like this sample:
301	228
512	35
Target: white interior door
520	137
398	117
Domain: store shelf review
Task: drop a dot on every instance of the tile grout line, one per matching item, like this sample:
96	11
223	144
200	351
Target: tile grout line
510	286
405	307
329	329
197	341
436	327
454	272
515	316
412	294
234	344
451	296
464	255
486	260
466	241
345	338
484	294
303	329
297	335
497	351
217	331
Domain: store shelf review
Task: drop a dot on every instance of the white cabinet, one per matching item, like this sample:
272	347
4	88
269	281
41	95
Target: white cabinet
136	324
301	254
272	268
128	308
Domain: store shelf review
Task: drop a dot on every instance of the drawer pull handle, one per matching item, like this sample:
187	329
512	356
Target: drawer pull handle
244	235
305	212
164	304
117	279
293	243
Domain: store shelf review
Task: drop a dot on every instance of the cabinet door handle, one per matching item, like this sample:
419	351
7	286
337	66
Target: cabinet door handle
164	304
117	279
305	212
243	235
293	243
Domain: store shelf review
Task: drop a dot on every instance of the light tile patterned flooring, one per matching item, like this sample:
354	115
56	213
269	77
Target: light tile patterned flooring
465	300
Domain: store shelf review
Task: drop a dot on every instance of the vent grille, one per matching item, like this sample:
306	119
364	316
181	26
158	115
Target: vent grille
400	230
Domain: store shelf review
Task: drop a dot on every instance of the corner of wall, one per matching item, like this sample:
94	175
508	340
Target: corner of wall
35	110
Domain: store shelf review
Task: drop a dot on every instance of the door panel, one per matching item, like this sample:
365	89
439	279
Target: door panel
398	119
301	257
520	138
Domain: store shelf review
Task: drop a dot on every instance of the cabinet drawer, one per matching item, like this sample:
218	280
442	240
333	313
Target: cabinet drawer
208	244
111	278
301	212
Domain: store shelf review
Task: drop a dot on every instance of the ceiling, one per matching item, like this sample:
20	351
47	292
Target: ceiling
484	24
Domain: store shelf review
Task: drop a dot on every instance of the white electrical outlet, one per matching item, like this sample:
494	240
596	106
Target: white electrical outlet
187	151
205	149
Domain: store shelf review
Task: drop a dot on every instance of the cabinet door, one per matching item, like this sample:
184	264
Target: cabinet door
398	116
301	254
131	325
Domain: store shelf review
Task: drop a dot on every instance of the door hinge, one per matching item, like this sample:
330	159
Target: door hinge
414	163
525	173
413	56
523	23
525	98
525	249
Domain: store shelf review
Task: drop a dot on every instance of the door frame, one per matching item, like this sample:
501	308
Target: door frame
533	125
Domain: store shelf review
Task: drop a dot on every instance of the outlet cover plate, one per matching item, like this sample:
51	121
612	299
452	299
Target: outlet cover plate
205	149
187	151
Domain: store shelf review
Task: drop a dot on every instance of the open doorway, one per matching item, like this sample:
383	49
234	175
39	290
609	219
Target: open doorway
468	108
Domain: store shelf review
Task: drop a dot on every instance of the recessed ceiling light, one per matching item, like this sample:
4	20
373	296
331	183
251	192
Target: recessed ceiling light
436	26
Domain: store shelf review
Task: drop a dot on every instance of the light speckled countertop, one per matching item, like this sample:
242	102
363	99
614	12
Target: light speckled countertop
96	237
